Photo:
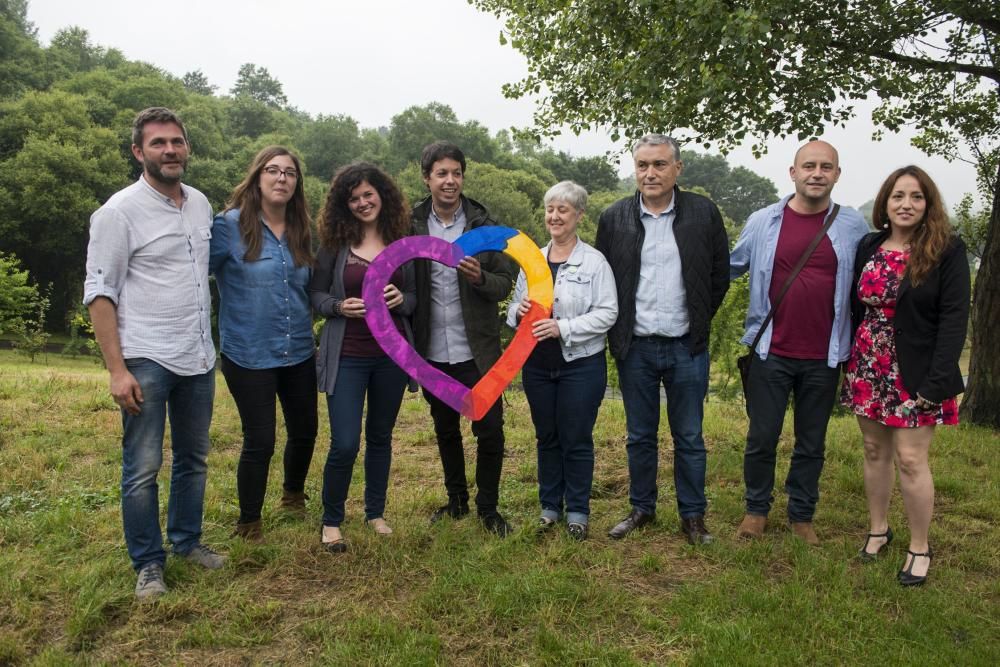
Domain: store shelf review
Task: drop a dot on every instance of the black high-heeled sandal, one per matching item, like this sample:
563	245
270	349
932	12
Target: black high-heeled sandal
906	576
865	556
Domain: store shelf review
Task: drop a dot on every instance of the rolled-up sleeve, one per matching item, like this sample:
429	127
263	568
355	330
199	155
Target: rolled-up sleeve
107	256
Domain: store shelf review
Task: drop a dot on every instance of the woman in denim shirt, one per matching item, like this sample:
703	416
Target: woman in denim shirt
364	213
566	374
261	256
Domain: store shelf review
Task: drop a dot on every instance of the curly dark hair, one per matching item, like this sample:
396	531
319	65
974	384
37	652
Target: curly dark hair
338	228
298	224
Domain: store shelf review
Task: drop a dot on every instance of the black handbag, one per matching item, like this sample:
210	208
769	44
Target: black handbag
743	362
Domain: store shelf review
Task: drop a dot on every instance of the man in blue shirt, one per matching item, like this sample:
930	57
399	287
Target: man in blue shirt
807	339
669	253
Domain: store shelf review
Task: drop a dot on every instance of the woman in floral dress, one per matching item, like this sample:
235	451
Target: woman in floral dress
911	311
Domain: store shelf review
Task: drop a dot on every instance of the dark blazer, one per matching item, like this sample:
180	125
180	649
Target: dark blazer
930	323
704	251
479	302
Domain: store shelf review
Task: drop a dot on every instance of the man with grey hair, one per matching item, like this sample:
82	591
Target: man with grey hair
670	256
147	292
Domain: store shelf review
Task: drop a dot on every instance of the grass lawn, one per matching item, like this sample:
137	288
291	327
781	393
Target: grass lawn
451	594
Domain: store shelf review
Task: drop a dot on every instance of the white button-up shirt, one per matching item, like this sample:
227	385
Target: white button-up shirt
150	258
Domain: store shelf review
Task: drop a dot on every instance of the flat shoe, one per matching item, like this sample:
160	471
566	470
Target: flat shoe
338	545
379	526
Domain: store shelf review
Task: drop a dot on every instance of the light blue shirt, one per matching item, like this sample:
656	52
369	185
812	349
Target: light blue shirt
448	342
264	315
754	252
660	298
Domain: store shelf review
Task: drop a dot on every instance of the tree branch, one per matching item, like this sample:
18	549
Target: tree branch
933	65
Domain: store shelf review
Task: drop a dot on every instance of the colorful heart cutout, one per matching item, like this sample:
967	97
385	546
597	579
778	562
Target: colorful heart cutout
472	403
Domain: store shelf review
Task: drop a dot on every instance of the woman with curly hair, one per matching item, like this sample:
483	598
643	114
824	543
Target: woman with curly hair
261	256
911	310
364	213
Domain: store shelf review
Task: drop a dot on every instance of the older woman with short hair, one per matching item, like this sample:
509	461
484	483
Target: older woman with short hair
566	374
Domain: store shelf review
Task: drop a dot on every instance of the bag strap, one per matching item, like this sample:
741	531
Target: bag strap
794	274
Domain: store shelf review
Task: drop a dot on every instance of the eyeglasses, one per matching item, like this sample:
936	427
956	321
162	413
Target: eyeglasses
273	171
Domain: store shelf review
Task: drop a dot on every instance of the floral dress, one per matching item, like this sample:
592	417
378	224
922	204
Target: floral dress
873	387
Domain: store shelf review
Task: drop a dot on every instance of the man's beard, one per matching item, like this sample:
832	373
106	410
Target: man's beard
154	171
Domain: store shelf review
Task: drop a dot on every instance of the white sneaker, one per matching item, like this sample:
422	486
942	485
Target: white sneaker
150	584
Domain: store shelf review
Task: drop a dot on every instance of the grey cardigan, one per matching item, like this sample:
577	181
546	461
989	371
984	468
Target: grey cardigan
326	291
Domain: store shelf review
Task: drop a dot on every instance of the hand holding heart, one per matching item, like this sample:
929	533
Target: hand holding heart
355	308
541	329
474	402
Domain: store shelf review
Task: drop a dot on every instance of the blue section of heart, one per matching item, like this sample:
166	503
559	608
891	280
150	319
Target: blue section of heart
485	238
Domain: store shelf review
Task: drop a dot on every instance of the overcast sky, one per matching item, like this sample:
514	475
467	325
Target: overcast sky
370	59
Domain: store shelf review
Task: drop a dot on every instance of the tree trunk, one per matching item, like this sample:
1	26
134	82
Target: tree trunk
981	404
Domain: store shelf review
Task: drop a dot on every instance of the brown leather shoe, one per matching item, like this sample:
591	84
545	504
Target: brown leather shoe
752	527
250	531
635	519
804	531
293	502
695	530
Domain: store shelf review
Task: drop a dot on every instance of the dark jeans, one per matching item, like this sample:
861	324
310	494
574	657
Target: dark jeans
564	404
489	436
651	362
814	385
186	400
255	392
383	382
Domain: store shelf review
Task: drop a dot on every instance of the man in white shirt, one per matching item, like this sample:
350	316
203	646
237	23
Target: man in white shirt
147	291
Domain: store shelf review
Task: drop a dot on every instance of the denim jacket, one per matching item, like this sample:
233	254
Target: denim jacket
585	301
754	251
264	315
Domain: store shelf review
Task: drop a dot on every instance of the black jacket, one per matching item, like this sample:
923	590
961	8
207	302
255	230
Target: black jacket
479	302
930	323
704	250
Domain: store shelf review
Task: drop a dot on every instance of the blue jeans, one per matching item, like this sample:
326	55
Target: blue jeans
187	402
383	381
564	404
814	386
651	362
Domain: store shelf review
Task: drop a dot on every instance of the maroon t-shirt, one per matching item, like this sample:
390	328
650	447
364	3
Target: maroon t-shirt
358	339
803	322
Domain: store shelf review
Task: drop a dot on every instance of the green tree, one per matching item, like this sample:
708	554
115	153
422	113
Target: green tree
258	84
737	191
729	71
17	294
21	59
48	191
196	82
417	126
593	173
328	143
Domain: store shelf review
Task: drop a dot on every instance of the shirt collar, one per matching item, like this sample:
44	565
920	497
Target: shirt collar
459	216
645	211
159	195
